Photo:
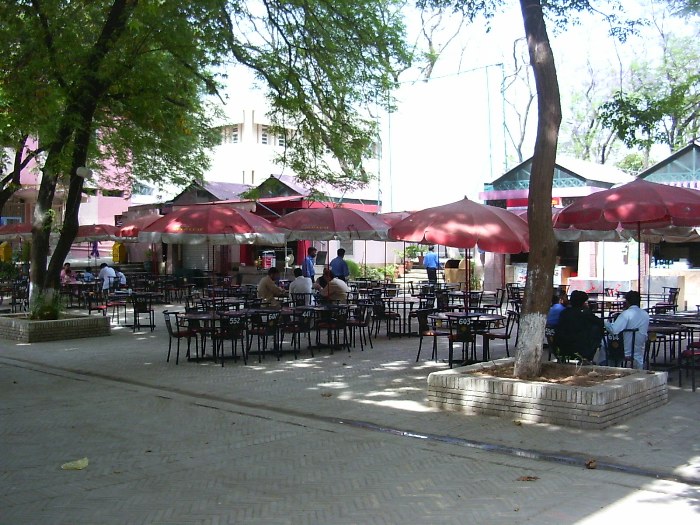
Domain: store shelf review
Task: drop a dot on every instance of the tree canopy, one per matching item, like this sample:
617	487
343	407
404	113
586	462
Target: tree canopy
124	80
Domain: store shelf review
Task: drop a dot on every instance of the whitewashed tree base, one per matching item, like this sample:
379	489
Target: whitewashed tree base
597	406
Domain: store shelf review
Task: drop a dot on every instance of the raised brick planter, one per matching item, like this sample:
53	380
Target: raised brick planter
579	406
18	328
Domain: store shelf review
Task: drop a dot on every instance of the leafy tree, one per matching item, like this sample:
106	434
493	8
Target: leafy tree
125	79
662	103
542	244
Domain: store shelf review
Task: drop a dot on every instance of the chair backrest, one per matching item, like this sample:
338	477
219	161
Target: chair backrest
673	296
141	303
500	297
443	300
422	317
461	329
615	345
168	323
513	319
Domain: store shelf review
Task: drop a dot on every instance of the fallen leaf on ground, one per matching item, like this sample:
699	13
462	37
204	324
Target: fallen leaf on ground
78	464
326	394
591	463
516	422
528	478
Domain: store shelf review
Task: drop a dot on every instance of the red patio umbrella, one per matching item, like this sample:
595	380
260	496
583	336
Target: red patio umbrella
325	224
96	232
465	224
132	227
637	206
212	224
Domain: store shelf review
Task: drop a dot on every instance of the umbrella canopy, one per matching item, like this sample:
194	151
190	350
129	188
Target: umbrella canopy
394	217
571	234
212	224
636	205
325	224
465	224
133	227
96	232
639	206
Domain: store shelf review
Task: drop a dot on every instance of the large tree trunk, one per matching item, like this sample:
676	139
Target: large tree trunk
540	268
90	86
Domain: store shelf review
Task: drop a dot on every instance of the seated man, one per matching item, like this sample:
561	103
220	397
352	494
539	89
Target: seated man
301	284
268	289
556	310
579	331
88	276
336	290
632	317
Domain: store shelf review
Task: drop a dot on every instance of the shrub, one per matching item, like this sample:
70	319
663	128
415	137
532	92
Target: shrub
46	306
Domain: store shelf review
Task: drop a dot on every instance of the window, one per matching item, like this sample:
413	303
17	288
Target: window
264	135
141	189
281	140
230	134
112	193
347	246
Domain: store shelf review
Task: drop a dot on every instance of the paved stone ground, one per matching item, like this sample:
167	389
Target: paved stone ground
337	438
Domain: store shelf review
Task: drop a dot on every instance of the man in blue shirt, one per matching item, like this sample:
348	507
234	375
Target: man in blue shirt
339	267
431	261
307	266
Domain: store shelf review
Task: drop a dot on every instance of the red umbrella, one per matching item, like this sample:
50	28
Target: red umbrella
465	224
133	226
212	224
96	232
394	217
325	224
638	205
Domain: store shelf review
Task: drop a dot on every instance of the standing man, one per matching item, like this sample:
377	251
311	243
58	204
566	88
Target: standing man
339	267
632	317
307	267
431	261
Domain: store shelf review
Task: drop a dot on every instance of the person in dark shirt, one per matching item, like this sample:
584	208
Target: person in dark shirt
579	331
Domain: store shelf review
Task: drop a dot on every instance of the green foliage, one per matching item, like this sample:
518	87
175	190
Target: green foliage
378	274
355	270
410	252
632	163
46	306
662	103
8	271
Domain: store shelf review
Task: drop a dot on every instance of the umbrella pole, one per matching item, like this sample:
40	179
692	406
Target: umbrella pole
639	262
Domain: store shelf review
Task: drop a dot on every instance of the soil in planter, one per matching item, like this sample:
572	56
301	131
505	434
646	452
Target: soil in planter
561	374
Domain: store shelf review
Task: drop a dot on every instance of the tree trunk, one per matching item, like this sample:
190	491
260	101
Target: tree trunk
90	86
540	268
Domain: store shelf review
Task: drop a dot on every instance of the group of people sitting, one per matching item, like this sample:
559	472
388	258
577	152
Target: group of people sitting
110	277
579	333
331	286
327	287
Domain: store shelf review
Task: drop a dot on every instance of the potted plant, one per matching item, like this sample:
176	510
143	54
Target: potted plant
407	255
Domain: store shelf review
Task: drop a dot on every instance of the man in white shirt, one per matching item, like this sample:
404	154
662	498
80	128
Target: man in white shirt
632	317
300	284
336	290
107	274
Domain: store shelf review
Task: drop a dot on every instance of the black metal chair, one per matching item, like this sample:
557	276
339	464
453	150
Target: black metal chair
429	328
362	323
301	322
262	327
178	332
143	305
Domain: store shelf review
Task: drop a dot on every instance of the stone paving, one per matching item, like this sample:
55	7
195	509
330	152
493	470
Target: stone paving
337	438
